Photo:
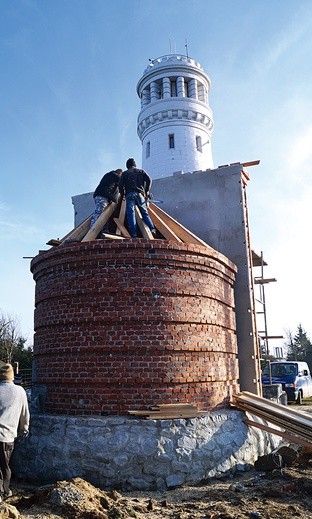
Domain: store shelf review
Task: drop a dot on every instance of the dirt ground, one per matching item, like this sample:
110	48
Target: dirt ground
276	494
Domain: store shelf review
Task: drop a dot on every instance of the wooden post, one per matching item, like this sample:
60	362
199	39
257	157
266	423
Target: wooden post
100	222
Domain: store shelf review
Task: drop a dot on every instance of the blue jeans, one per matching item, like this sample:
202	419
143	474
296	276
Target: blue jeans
100	203
133	199
6	449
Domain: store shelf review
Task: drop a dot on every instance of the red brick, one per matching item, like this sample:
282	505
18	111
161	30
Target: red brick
118	328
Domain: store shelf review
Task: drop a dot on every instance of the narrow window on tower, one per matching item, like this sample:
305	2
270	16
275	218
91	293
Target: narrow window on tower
160	90
173	85
199	144
148	149
148	94
171	140
187	89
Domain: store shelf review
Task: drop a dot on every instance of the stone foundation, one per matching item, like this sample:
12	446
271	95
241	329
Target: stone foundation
133	454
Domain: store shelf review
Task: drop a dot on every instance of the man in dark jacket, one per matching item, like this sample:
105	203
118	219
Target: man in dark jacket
135	185
105	193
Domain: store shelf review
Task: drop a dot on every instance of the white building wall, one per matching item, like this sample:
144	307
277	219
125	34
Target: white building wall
162	161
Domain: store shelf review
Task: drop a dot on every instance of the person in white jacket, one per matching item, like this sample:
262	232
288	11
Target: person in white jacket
14	421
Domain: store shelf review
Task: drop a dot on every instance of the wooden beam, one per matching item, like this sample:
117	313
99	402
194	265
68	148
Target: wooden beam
291	426
100	222
108	236
121	230
261	281
293	422
290	437
251	163
145	230
75	234
184	234
121	219
54	242
272	336
272	407
173	415
163	228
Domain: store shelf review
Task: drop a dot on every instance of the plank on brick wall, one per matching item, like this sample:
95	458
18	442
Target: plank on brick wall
183	233
75	234
146	232
100	222
121	220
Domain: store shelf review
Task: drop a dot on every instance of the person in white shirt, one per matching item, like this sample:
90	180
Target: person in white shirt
14	421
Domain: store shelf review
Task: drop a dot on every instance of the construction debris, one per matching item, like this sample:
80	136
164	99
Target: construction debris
167	227
168	412
292	426
284	456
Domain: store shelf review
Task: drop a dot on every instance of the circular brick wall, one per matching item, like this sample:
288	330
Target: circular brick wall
123	325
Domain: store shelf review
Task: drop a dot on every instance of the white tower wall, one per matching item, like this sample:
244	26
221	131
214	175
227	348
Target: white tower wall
175	122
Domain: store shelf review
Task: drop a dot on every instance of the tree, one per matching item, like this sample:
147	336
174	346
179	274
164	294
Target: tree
299	346
22	354
12	343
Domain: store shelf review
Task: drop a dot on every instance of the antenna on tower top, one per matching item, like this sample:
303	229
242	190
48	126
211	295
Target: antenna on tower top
186	48
170	49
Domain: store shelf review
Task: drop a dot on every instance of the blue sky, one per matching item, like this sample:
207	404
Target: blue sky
69	70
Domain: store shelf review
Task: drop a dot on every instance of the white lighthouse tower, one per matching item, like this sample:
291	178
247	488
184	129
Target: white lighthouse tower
175	122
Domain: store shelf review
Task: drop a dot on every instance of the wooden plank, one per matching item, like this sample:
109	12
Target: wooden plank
172	416
273	407
54	242
285	435
162	416
80	231
100	222
121	219
296	429
261	281
121	230
251	163
168	407
108	236
292	422
145	230
173	411
282	421
77	233
303	433
271	336
174	406
162	227
168	412
139	413
183	233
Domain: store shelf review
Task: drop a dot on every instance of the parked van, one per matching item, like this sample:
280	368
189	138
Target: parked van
294	376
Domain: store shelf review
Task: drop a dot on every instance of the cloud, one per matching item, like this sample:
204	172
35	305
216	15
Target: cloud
288	248
300	154
3	206
283	43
